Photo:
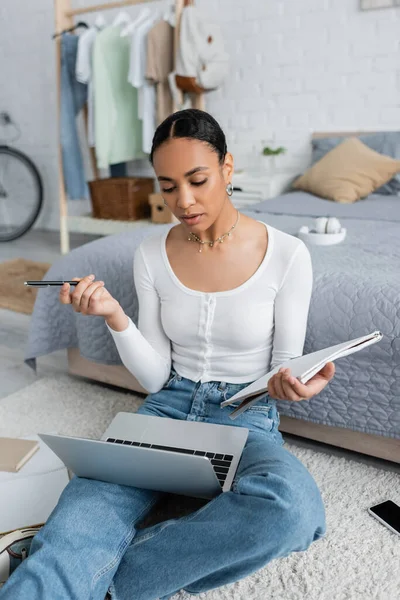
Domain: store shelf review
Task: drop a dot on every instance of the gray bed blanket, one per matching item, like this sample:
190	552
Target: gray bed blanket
356	291
374	207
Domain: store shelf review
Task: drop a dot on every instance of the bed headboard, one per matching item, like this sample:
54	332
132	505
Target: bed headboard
318	135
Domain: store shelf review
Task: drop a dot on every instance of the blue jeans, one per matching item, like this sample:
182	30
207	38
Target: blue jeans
91	542
73	98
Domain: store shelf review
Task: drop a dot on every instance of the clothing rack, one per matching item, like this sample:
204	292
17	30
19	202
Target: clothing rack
64	19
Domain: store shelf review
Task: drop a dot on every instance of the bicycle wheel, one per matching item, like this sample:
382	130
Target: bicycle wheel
21	193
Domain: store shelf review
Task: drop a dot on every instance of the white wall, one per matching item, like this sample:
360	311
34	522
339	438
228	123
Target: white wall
304	66
297	66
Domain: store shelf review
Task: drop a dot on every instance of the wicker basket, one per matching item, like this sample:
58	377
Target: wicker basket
121	198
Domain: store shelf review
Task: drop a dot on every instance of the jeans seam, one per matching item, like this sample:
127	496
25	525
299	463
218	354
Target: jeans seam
170	382
193	396
172	379
126	541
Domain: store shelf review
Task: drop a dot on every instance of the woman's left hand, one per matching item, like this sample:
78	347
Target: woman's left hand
282	386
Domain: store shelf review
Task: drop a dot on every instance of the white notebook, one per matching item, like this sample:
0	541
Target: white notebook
303	367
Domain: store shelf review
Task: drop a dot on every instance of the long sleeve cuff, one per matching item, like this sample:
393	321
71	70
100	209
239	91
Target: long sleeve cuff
139	357
125	332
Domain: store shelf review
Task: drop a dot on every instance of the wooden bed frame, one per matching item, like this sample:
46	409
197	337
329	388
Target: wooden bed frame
372	445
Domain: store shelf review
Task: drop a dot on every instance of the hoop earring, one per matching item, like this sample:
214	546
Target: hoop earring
229	189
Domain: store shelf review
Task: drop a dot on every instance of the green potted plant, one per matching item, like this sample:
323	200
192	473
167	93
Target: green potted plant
268	157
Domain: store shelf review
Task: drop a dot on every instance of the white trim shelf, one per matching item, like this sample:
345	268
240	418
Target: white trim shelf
88	224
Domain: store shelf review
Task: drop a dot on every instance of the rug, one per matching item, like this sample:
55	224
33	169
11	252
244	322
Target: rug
14	295
356	560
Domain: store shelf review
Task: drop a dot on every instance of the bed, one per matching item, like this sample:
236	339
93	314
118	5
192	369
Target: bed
356	291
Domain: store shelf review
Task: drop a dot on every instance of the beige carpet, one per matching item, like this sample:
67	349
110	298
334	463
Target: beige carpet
357	559
14	295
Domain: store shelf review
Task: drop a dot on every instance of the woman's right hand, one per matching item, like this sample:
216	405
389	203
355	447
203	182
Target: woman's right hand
90	297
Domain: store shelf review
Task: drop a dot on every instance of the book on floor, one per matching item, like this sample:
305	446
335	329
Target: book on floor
303	367
14	453
28	497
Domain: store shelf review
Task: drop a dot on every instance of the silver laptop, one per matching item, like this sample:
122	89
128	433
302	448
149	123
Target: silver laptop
157	453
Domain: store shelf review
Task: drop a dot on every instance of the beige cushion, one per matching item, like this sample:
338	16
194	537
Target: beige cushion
348	172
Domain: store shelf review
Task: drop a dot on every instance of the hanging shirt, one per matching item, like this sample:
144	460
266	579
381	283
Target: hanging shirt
235	336
83	73
118	130
160	63
137	78
83	67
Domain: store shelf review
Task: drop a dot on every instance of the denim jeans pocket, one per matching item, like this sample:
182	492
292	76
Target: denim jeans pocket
262	417
262	405
256	408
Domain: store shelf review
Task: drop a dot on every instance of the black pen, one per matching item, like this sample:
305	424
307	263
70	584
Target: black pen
49	283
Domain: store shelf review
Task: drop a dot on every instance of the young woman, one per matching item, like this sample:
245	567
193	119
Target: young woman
223	298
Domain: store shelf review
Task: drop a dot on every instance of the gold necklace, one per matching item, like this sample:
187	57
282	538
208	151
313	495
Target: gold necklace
194	238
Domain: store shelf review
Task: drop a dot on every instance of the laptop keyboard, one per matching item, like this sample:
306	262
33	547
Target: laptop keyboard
220	462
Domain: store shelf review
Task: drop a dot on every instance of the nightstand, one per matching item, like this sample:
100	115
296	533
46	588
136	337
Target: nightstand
253	187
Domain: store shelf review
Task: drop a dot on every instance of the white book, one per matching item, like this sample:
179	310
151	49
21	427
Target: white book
303	367
28	497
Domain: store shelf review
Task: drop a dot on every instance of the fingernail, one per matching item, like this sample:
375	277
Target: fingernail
91	276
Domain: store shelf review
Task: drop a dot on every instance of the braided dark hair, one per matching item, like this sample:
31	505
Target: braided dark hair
194	124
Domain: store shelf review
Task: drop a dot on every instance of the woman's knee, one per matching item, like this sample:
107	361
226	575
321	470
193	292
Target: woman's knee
301	496
304	518
292	528
305	515
289	507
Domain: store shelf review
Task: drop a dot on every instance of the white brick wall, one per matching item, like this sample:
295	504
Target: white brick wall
298	66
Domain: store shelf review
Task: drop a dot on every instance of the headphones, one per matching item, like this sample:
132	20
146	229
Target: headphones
324	225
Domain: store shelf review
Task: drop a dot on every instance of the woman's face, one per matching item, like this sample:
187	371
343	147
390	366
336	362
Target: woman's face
192	182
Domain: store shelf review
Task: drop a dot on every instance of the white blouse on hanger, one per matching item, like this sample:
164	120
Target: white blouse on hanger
137	78
83	73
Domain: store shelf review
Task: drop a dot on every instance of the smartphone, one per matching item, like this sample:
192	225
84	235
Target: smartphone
388	513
